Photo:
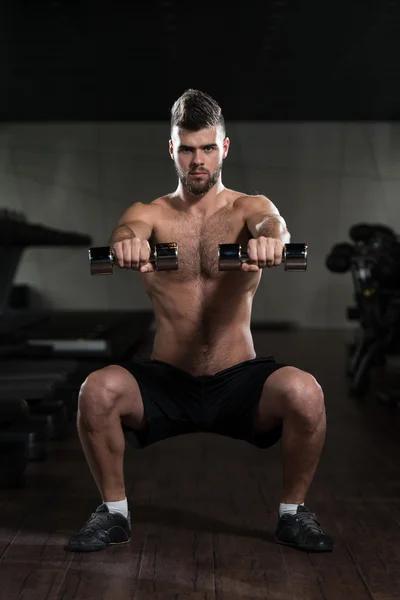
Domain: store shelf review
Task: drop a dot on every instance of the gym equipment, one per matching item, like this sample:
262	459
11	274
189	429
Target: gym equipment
35	389
339	258
40	395
231	257
164	257
92	334
13	389
12	410
52	413
17	427
65	368
366	233
40	384
34	435
65	334
17	234
374	263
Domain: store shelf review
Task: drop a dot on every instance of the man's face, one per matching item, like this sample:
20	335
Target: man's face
198	157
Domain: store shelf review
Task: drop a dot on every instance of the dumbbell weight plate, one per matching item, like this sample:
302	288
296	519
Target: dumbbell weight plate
231	257
164	256
101	261
295	257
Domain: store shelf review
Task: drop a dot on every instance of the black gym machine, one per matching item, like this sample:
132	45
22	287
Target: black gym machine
46	354
373	260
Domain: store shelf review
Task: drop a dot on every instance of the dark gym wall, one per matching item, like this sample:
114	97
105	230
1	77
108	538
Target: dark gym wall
324	177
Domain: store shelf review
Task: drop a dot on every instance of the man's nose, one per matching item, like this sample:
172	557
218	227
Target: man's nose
197	158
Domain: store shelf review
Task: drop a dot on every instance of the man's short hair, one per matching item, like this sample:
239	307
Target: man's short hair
196	110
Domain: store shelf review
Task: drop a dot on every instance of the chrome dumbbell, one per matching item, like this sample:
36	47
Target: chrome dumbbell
163	256
231	256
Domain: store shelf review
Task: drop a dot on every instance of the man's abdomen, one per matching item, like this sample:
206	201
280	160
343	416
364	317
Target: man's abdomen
203	355
203	326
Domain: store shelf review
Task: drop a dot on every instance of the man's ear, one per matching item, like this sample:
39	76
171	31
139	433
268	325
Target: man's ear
226	146
171	149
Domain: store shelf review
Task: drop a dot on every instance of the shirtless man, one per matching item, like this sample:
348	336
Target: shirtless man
203	373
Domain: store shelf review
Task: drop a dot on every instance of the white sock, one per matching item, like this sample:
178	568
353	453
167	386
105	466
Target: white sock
288	508
121	507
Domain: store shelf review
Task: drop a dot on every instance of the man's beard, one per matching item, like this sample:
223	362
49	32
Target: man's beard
198	187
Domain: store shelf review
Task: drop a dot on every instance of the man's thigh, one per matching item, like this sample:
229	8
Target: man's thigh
170	400
233	397
269	411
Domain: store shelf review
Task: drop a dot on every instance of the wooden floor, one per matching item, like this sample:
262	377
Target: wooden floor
204	510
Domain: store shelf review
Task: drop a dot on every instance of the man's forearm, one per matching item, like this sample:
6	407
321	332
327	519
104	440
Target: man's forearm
129	229
273	226
122	232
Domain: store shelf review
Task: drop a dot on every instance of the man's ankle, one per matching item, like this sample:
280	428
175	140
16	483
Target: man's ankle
118	506
289	508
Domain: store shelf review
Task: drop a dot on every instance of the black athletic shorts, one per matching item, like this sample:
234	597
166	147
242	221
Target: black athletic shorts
176	402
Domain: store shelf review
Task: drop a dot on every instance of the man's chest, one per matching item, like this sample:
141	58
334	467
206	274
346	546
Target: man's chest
198	240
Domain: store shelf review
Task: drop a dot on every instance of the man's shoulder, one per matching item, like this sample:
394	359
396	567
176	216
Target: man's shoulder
254	203
152	205
164	201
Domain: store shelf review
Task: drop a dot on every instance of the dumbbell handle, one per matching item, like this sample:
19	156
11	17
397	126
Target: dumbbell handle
231	256
163	256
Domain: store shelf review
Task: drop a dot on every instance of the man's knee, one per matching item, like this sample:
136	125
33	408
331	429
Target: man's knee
302	396
100	391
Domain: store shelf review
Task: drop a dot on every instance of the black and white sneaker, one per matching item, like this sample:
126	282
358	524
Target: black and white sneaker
303	531
101	530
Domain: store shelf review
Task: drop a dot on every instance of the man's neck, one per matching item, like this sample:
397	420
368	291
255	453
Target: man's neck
199	204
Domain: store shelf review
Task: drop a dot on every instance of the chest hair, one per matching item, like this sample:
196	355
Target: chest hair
198	241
